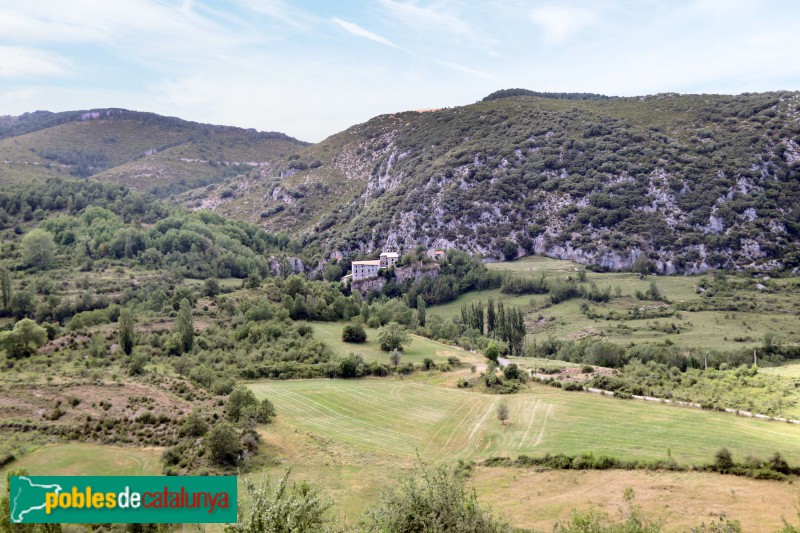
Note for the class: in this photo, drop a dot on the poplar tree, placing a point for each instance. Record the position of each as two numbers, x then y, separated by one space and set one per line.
5 287
127 331
421 310
491 318
184 325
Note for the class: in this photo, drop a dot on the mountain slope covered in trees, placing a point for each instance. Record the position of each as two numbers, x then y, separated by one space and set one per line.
144 151
692 182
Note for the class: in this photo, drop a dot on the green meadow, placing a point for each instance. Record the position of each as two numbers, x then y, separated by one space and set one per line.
735 320
420 348
408 417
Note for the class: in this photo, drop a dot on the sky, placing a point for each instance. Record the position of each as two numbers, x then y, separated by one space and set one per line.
311 68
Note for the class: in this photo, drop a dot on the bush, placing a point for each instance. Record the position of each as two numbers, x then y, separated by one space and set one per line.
393 336
352 366
243 407
492 352
223 444
282 508
194 425
23 341
511 371
431 500
354 333
723 461
136 364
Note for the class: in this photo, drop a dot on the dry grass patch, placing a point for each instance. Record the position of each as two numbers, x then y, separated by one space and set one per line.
683 500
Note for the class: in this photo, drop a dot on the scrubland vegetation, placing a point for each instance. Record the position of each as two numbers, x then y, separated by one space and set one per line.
162 340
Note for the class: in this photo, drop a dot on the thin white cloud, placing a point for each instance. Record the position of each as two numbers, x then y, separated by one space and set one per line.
354 29
23 62
282 11
437 17
473 72
560 24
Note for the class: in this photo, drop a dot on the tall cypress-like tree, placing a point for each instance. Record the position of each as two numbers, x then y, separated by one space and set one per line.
127 331
500 323
420 310
491 318
5 287
184 325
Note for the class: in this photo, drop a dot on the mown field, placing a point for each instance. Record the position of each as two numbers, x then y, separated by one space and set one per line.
406 417
420 348
756 312
78 459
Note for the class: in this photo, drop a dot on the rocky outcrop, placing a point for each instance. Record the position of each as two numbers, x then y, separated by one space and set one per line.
413 271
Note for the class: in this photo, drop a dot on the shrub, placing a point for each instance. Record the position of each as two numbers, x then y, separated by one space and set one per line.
352 366
492 351
238 399
223 444
282 508
431 500
511 371
354 333
136 364
723 461
393 336
194 425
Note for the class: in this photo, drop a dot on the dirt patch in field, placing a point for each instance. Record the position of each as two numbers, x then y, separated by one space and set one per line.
577 374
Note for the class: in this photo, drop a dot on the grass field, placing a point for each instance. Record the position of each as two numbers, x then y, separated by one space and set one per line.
789 370
682 499
405 417
75 459
772 311
420 348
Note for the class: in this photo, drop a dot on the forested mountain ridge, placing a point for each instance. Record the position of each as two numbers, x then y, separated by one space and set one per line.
144 151
691 181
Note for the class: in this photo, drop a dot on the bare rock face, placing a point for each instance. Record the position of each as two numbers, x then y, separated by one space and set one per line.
414 271
286 265
368 285
693 182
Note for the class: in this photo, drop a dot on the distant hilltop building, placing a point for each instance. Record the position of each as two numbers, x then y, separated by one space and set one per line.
369 269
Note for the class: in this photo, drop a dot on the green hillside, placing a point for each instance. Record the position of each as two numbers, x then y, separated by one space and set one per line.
691 181
144 151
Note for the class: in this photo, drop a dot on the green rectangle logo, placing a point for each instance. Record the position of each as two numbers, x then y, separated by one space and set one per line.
122 499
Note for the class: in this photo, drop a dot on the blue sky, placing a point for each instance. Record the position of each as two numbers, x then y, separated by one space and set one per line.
312 68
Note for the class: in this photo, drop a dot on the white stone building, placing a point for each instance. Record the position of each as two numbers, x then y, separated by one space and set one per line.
369 269
365 269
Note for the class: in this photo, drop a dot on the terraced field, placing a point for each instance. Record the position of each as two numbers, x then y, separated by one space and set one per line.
406 417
